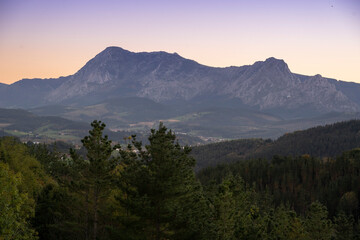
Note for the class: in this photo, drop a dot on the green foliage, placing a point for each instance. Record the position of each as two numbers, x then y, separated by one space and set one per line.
300 181
16 155
85 185
343 226
323 141
16 208
94 175
241 213
349 202
151 192
226 152
23 179
158 185
283 223
57 214
317 224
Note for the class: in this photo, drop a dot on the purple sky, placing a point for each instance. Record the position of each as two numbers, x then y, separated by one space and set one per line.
52 38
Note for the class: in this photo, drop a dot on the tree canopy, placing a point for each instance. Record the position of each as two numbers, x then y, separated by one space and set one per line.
150 191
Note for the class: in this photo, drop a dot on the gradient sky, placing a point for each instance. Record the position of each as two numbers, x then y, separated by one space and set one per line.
52 38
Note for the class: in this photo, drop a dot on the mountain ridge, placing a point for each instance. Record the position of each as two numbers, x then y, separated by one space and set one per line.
162 77
319 141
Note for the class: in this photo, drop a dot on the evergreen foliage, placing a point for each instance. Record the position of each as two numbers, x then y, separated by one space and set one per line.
323 141
317 224
300 181
94 175
159 184
151 192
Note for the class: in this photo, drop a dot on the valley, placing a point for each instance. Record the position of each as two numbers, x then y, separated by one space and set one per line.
179 120
133 92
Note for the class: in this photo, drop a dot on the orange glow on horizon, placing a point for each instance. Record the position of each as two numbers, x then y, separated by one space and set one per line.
48 39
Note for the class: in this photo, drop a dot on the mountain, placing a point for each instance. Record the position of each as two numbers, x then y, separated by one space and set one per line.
134 91
27 92
164 77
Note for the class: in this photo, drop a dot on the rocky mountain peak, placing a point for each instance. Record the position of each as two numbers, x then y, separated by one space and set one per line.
163 77
280 64
114 50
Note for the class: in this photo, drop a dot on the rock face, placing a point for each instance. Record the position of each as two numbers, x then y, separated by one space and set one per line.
164 77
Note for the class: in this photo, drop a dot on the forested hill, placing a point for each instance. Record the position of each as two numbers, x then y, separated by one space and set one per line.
126 193
323 141
298 181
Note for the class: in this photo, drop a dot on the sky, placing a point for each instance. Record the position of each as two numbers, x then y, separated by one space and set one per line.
52 38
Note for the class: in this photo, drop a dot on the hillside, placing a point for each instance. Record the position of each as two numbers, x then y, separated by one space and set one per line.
251 199
298 181
135 91
322 141
30 127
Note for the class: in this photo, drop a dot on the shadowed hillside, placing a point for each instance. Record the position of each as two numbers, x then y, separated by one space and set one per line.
323 141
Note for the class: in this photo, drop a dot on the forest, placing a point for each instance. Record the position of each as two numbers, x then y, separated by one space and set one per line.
151 191
321 141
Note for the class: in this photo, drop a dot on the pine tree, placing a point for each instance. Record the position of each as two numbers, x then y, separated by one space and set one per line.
157 182
343 225
317 224
94 176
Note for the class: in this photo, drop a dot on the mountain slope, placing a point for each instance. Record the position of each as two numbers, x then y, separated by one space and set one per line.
114 111
159 76
164 77
27 92
322 141
31 127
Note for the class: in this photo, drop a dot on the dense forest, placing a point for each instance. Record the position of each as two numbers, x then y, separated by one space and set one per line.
109 191
322 141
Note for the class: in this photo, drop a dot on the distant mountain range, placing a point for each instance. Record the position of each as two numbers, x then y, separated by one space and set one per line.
164 77
138 89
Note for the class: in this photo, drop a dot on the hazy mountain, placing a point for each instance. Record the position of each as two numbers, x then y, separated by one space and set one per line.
164 77
134 91
28 92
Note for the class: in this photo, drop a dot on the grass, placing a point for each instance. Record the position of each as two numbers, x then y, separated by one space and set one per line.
90 112
4 125
45 133
17 133
191 116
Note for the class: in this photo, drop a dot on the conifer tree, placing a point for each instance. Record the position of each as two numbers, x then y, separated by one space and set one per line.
343 225
317 224
157 182
94 173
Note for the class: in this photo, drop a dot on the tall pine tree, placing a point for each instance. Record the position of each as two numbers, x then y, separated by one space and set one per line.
157 183
94 174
